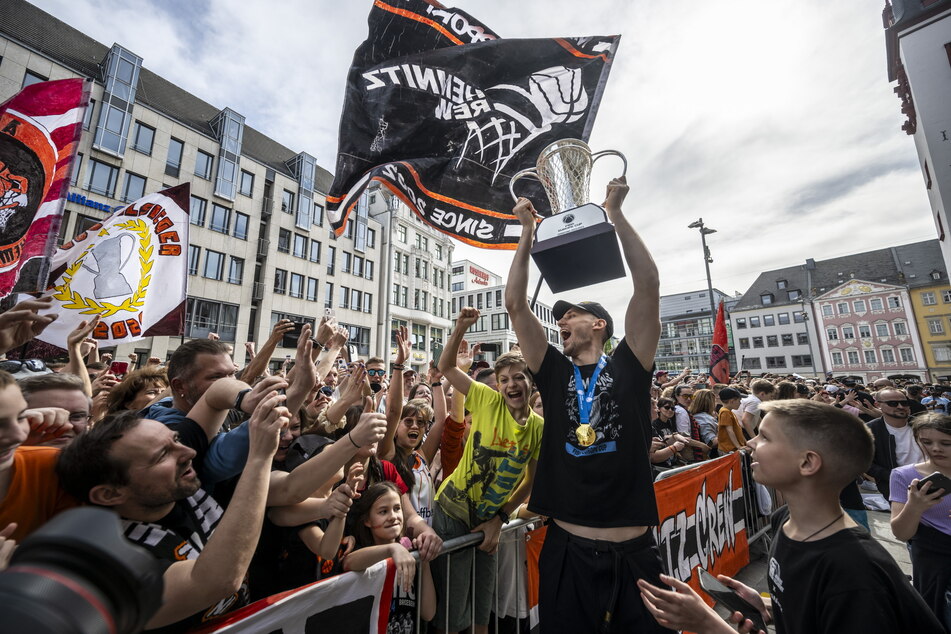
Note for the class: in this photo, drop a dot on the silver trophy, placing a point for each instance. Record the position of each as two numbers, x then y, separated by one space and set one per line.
576 246
108 260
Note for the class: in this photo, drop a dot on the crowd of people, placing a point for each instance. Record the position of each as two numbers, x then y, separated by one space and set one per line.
246 482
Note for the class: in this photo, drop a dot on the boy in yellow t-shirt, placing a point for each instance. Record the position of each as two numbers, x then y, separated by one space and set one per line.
729 432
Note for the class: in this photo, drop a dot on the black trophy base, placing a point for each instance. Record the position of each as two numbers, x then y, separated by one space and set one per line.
587 256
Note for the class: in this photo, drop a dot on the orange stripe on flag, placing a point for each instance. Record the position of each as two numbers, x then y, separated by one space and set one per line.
415 16
571 49
453 201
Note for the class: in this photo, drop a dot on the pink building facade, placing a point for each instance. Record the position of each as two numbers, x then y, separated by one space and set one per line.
867 330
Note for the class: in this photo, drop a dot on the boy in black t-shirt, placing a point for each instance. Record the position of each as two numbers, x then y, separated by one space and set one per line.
594 478
826 573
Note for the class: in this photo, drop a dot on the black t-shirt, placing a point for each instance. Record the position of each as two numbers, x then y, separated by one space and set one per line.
841 584
610 483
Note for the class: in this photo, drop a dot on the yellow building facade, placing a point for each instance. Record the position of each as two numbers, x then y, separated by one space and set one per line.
932 308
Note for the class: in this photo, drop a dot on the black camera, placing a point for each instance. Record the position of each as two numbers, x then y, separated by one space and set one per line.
78 574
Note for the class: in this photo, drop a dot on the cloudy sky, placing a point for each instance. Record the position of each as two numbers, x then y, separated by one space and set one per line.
773 121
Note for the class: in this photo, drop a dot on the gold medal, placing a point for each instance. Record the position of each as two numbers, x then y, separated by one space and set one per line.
585 435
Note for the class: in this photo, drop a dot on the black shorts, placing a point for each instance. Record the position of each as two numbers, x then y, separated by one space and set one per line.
588 585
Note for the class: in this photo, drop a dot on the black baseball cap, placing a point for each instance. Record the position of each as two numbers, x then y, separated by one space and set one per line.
561 307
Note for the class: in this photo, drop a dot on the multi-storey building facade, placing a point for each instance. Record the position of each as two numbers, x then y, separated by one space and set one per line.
474 285
918 54
869 331
686 331
415 282
772 331
853 314
259 245
932 309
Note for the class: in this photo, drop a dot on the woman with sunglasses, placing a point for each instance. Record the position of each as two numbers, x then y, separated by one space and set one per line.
667 442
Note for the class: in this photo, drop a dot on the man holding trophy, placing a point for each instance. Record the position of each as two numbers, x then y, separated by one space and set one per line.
594 479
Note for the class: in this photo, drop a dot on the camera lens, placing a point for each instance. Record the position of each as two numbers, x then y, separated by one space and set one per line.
79 574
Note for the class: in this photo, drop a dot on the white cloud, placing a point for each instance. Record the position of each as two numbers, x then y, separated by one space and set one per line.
773 121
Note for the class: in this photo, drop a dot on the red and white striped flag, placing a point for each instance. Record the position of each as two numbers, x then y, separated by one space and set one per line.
40 128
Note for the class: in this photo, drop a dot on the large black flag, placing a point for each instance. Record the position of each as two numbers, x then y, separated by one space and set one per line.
443 113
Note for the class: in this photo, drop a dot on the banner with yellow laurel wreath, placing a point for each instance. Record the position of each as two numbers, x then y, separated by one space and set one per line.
131 269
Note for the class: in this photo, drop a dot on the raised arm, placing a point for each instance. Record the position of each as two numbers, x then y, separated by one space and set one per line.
642 321
434 437
212 408
528 330
302 378
258 363
447 361
394 404
74 342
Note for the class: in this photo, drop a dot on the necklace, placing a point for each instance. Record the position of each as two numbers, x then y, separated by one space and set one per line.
837 518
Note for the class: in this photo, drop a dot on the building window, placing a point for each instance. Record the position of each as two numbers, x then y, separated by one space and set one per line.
101 178
853 357
935 327
757 342
907 355
928 298
331 258
881 330
134 187
236 270
344 297
766 299
842 308
194 256
283 241
368 269
802 339
787 339
300 246
869 356
401 233
775 362
220 218
142 138
894 302
287 202
241 225
832 334
297 285
371 238
312 289
203 165
827 310
314 251
772 341
900 328
769 320
318 216
783 319
247 183
888 355
794 295
848 332
740 322
801 360
328 294
214 264
876 304
754 322
753 363
358 266
858 306
87 117
836 358
196 211
419 337
865 332
942 352
30 78
356 299
280 281
77 166
205 316
744 343
799 317
345 265
173 162
781 284
946 297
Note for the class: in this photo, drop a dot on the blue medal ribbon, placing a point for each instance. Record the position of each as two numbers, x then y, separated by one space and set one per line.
586 396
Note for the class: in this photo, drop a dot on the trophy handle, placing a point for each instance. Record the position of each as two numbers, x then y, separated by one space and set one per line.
523 174
597 155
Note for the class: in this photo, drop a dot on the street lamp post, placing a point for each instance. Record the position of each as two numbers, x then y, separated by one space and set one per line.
707 259
812 357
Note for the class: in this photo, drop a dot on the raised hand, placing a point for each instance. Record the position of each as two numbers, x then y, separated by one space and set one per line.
326 329
524 210
21 323
616 193
355 385
403 345
467 316
370 428
265 426
433 375
261 392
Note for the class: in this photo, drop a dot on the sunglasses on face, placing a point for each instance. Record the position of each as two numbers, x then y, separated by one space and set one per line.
896 403
687 396
14 365
667 407
376 372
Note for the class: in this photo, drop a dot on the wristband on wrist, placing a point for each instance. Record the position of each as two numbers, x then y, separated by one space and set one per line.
239 399
399 366
352 440
503 515
437 384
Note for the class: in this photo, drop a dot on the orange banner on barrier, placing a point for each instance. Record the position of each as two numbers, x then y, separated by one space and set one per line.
702 520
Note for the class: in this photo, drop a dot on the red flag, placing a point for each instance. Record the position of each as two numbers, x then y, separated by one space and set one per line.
39 134
720 351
